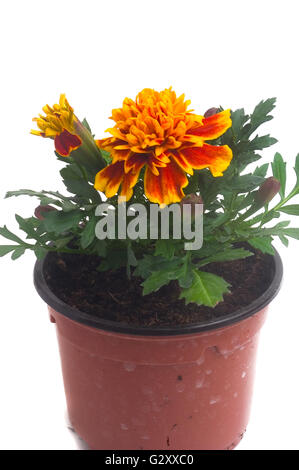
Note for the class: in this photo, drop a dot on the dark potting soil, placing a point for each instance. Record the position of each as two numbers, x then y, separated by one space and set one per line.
111 295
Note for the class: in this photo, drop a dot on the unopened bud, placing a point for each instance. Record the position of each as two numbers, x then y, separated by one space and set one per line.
40 210
210 112
192 199
267 191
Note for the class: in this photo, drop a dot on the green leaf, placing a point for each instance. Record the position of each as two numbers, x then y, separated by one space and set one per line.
100 248
117 257
76 184
58 221
264 244
245 183
193 184
19 251
296 168
4 249
27 225
38 194
165 248
131 259
239 118
261 170
62 242
261 114
292 232
40 251
206 289
106 156
155 281
279 172
261 142
10 236
291 209
88 233
284 240
227 255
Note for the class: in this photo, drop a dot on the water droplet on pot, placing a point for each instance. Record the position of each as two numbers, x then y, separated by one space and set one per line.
129 366
180 387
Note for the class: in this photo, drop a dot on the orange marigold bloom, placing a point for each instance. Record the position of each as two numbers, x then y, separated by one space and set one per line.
60 124
158 132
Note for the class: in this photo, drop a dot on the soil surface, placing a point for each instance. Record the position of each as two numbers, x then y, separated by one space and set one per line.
111 295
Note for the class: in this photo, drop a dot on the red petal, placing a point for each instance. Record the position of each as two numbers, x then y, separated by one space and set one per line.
109 179
65 143
216 158
165 188
213 126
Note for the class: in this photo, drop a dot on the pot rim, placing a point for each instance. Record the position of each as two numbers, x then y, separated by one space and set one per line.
99 323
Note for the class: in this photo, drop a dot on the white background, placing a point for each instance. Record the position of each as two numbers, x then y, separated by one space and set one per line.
231 53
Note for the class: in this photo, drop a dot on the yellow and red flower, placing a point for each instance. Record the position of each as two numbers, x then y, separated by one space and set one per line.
156 131
60 124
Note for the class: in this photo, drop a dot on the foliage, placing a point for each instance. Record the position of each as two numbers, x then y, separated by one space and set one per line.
233 214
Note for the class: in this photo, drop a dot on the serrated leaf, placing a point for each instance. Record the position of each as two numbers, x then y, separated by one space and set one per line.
88 233
155 281
227 255
296 168
292 232
10 236
206 289
261 142
62 242
291 209
38 194
261 170
19 251
261 114
264 244
245 183
76 184
58 221
5 249
164 248
27 225
239 118
279 172
40 252
284 240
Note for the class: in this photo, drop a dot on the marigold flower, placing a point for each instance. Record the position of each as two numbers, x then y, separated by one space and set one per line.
60 124
156 131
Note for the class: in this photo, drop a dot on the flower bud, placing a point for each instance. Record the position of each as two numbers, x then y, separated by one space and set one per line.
267 191
192 199
40 210
70 136
211 112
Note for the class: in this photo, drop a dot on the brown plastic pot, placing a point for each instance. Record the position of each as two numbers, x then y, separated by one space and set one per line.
173 388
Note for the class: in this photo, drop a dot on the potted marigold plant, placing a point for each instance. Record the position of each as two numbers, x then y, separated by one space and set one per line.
158 305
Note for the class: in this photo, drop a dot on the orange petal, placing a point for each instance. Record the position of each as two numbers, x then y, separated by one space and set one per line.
109 179
166 188
216 158
65 143
182 162
135 162
213 126
129 181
